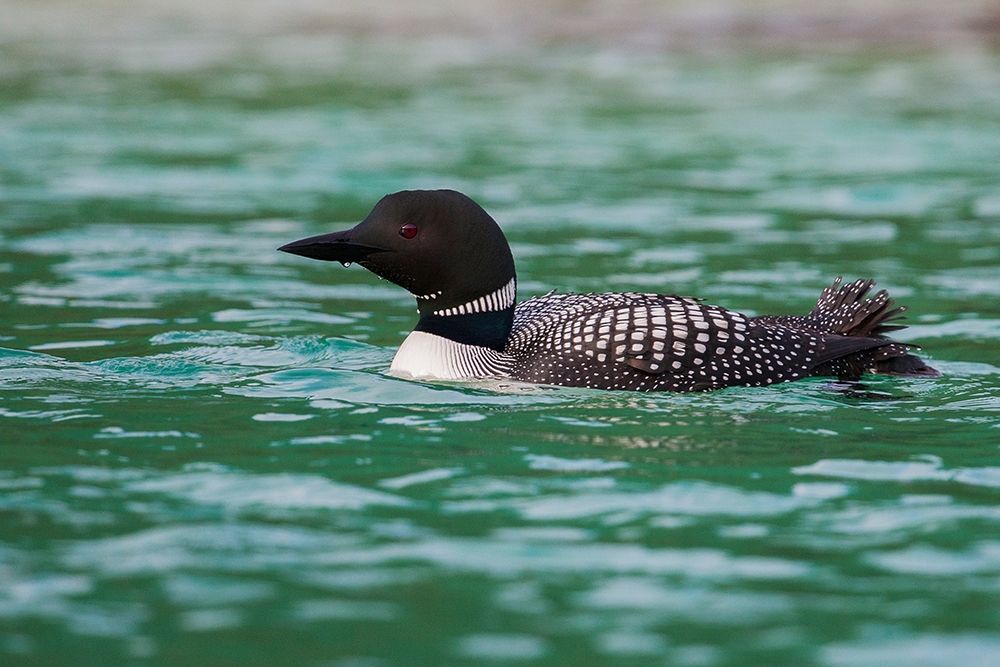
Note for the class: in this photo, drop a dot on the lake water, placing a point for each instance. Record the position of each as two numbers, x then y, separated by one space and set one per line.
203 459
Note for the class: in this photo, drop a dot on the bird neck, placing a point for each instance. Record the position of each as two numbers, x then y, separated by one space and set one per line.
485 320
491 329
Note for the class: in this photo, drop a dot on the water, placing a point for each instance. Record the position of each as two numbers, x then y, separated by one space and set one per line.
204 460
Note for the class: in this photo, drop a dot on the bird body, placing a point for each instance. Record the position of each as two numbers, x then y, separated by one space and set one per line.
451 255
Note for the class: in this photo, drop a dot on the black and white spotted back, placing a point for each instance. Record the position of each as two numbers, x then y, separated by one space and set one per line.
652 342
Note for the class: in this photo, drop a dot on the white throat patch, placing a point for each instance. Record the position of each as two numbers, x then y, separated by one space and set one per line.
425 355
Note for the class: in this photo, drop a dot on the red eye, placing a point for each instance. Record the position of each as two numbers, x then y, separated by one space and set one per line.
408 231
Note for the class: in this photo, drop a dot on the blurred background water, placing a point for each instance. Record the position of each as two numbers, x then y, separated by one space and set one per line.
204 461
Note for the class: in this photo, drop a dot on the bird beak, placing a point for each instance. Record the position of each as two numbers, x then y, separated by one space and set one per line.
335 247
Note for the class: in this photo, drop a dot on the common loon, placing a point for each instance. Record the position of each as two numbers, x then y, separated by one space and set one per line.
451 255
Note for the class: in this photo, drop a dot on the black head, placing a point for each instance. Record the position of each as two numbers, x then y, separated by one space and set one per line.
439 245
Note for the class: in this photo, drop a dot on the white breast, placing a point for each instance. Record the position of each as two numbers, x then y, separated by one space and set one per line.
424 355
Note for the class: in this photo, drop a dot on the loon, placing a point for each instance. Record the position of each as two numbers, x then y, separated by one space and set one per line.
448 252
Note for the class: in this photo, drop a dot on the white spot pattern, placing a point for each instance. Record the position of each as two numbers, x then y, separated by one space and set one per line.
651 344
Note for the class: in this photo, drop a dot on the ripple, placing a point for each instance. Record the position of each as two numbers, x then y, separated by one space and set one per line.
328 609
983 557
163 370
210 620
684 498
208 591
630 642
971 328
502 647
92 474
47 415
877 524
901 471
119 432
318 384
71 345
510 559
232 547
207 337
241 492
422 477
217 364
895 200
270 317
117 322
280 417
924 650
20 367
557 464
687 604
46 595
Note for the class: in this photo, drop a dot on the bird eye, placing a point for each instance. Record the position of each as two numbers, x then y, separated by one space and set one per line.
408 231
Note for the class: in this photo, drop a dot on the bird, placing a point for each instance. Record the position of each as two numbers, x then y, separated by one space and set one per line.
453 258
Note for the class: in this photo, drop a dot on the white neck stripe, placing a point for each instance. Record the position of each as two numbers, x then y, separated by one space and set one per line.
500 299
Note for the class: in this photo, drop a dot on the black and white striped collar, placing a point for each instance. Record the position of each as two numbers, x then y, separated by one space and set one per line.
485 321
497 300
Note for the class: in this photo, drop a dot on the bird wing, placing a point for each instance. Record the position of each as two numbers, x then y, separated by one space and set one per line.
672 342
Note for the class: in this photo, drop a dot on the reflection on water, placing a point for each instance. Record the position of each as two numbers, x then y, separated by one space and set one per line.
204 458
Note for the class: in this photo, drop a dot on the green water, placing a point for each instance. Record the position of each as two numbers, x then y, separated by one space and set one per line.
204 461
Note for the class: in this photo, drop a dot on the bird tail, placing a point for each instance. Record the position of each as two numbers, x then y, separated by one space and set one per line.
847 311
849 318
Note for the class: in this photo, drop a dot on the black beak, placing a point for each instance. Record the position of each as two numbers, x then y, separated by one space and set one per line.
335 247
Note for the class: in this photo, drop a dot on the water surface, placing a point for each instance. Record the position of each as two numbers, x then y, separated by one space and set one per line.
204 460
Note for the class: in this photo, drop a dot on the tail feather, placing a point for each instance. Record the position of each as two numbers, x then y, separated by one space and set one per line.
854 328
848 311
